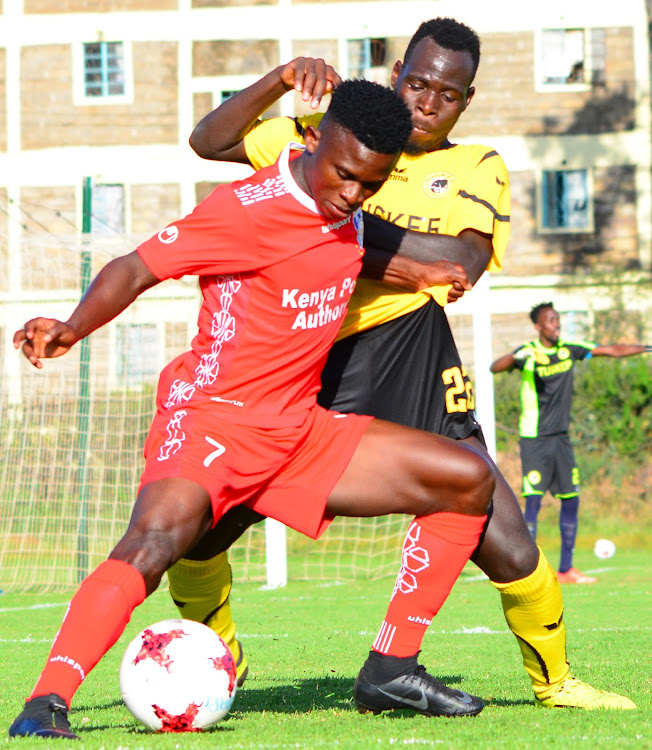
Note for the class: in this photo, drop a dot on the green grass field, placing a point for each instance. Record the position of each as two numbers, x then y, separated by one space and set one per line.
306 643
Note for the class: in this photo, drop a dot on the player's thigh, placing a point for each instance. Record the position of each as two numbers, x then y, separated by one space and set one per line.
397 469
506 551
169 517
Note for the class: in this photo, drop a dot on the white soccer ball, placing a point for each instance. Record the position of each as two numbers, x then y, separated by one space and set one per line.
604 549
178 676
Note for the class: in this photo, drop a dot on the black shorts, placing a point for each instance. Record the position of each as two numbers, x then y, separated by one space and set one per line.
406 371
548 464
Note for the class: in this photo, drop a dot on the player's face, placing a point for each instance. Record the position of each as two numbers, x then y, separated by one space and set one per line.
341 172
548 326
435 83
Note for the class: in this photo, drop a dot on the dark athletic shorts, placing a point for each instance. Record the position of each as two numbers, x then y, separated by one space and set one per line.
407 371
548 464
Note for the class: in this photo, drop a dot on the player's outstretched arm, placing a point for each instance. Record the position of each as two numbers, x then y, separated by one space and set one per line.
508 361
219 135
620 350
115 287
404 258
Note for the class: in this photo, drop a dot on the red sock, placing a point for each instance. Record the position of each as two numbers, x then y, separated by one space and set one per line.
96 618
435 550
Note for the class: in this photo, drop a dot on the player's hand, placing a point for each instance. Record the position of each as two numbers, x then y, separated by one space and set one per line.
444 272
525 352
44 338
455 292
311 77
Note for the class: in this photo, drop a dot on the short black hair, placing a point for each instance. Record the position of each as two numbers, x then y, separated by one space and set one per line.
450 34
538 309
374 114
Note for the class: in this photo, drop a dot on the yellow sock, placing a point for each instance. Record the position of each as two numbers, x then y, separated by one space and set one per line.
534 610
200 589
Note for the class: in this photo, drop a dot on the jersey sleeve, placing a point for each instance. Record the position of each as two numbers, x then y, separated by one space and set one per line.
218 237
483 203
265 141
581 350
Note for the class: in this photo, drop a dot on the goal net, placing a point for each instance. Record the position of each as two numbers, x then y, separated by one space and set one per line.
72 434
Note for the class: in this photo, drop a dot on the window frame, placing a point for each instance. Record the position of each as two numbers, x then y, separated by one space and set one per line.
80 97
542 86
367 70
541 200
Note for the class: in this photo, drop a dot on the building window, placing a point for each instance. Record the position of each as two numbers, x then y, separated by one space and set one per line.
227 94
366 57
137 354
572 57
108 209
104 69
565 201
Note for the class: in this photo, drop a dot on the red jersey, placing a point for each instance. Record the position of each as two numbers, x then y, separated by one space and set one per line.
275 278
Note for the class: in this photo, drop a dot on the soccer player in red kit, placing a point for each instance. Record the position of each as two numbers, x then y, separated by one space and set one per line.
237 420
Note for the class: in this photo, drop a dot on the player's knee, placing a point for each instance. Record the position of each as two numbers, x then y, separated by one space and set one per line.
470 487
480 481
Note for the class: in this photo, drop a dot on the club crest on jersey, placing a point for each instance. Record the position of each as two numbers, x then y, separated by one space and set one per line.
437 184
563 353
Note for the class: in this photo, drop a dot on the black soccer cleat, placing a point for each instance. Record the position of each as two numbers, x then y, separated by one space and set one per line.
43 716
415 690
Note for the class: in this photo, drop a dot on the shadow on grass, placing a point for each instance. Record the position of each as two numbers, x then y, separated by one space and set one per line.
302 696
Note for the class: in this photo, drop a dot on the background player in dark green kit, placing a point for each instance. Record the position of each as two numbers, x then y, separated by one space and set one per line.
547 456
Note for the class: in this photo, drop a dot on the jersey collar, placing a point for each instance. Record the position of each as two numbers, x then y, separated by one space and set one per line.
290 182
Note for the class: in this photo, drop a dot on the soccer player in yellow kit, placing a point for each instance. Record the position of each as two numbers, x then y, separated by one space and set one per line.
396 357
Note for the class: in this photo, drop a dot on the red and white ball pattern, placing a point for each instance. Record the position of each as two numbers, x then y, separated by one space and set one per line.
178 676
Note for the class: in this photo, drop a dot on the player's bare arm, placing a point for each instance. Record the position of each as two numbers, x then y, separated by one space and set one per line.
503 364
115 287
620 350
219 135
405 258
437 273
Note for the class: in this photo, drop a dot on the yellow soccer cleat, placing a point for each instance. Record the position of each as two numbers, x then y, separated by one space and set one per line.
241 664
573 693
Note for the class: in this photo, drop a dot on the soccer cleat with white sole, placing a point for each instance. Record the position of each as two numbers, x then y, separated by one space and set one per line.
573 693
44 716
415 690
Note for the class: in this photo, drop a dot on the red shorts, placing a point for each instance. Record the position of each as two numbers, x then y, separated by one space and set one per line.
284 472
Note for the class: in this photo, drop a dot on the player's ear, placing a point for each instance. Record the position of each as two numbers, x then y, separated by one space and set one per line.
396 71
469 95
311 137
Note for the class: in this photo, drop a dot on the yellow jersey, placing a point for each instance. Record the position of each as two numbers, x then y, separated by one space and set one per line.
441 192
